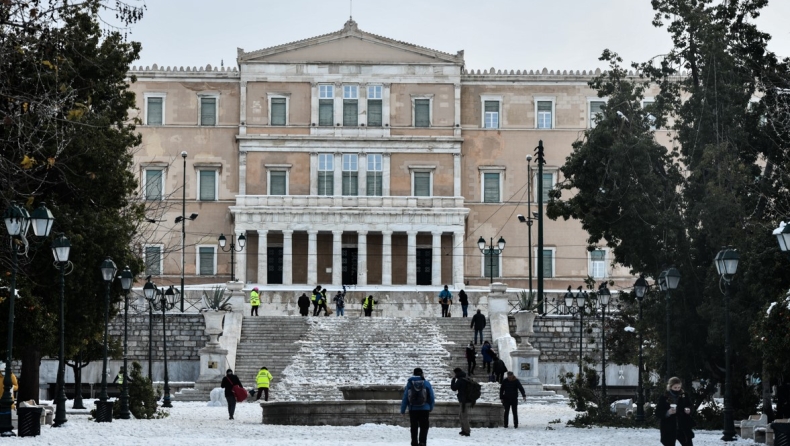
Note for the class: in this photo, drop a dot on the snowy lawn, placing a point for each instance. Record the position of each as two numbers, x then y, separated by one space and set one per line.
194 424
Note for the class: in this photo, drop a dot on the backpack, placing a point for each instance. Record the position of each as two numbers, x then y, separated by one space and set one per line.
418 394
472 390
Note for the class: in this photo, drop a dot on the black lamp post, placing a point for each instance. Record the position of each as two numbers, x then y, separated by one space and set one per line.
576 305
104 407
17 221
162 300
603 300
727 264
668 280
531 217
232 249
491 251
60 250
640 288
127 278
149 290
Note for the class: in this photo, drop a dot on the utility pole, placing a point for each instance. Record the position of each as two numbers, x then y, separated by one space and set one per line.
540 160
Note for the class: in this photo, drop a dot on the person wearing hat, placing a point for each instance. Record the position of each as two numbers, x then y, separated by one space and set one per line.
367 305
255 301
419 398
262 380
228 382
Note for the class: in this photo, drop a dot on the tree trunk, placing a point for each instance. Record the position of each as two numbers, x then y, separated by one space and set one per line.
28 376
768 408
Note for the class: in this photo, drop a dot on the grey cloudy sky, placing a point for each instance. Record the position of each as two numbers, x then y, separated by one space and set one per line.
505 34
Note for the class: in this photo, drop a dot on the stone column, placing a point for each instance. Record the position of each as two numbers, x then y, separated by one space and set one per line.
242 173
385 174
362 257
243 108
457 174
313 106
458 259
263 256
362 170
241 261
411 258
338 175
337 258
313 173
457 104
436 258
312 257
288 257
386 257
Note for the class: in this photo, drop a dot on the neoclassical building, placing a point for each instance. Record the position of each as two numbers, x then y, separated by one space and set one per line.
351 158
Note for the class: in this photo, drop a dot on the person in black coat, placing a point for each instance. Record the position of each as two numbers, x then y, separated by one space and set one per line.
304 304
674 411
508 394
228 382
471 363
459 385
464 301
478 323
499 368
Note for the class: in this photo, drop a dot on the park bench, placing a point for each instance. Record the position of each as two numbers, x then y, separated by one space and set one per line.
750 424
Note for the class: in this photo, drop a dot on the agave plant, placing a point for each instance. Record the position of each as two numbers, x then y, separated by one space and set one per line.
527 301
216 301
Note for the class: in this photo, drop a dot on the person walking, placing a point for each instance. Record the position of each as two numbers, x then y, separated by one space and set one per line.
464 301
340 302
262 380
508 394
674 411
304 304
321 298
471 363
228 382
314 299
499 368
418 397
459 385
367 305
478 324
255 301
485 351
445 299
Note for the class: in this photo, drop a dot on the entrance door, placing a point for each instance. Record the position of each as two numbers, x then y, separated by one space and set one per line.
274 260
349 266
424 266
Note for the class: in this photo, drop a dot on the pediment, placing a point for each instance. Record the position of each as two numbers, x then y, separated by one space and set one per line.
349 45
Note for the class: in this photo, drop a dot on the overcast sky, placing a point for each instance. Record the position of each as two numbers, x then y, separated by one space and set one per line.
505 34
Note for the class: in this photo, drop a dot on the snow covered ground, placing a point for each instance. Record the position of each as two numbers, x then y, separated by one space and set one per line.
195 424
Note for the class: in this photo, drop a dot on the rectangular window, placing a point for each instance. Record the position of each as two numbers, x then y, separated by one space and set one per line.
422 112
152 256
154 184
155 111
326 174
548 263
651 119
206 261
548 184
326 105
598 264
350 175
374 176
491 117
277 182
544 114
491 259
279 111
208 185
596 112
208 110
491 188
374 106
422 184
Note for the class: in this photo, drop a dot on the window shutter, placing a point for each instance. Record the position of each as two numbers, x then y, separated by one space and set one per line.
374 113
350 115
422 184
153 184
491 188
326 112
374 185
206 261
208 111
153 257
278 183
547 267
350 183
548 184
492 263
208 180
278 111
154 111
326 183
422 113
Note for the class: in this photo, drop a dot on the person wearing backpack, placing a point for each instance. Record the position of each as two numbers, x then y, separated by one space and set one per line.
418 397
445 299
508 394
460 384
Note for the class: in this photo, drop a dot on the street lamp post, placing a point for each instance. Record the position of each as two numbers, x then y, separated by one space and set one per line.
104 407
640 288
603 300
17 221
164 300
127 278
183 220
726 265
668 280
481 244
531 217
573 306
60 250
232 249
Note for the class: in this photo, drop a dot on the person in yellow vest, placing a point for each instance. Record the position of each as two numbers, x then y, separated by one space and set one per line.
314 299
367 305
14 383
119 377
255 301
262 380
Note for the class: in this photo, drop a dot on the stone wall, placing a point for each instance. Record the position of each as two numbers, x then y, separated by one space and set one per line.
557 337
185 336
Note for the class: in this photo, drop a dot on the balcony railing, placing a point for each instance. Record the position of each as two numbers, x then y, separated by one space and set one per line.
302 201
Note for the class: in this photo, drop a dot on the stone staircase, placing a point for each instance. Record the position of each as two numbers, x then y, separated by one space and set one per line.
271 342
458 335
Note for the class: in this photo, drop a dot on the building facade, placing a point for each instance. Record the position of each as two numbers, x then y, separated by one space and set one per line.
351 158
